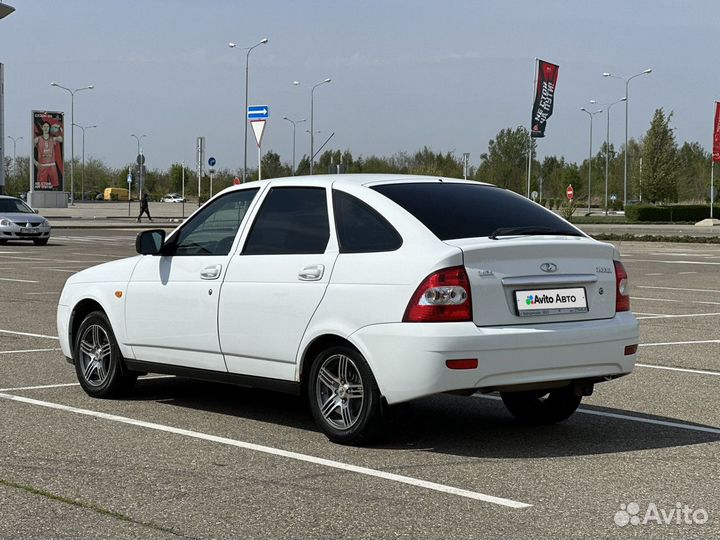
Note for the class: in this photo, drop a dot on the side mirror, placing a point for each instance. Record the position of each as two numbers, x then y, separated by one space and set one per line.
35 210
150 242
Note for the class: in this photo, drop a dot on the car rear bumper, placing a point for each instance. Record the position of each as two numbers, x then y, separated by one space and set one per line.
409 359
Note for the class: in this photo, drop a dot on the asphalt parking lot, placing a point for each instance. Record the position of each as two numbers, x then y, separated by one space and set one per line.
191 459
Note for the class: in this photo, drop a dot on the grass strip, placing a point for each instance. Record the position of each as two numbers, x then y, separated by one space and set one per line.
612 237
87 506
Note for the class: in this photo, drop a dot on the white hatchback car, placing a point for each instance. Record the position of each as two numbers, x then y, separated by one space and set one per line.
361 291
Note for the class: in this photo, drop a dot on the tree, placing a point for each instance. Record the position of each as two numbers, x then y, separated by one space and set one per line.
505 162
557 174
694 172
272 167
661 165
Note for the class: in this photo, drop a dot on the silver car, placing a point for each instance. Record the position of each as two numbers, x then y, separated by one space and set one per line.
20 222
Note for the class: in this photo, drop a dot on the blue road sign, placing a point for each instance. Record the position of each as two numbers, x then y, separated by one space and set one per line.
258 112
212 162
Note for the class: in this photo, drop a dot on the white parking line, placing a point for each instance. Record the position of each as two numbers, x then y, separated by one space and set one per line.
65 385
29 350
684 370
675 301
679 342
640 419
95 254
276 452
679 316
674 288
40 387
684 273
24 259
678 425
27 334
18 280
655 274
675 262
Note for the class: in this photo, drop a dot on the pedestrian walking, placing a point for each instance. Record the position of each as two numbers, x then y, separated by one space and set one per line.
144 207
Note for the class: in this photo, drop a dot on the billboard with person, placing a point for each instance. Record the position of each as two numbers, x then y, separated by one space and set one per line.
48 134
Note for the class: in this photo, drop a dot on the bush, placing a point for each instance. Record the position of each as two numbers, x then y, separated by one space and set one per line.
567 209
679 212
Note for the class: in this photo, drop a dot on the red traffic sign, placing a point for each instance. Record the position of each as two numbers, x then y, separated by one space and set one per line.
236 181
570 192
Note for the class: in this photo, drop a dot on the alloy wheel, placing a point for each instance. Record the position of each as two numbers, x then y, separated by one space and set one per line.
95 351
339 392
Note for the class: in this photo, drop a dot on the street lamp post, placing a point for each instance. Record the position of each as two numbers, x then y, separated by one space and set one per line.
312 132
607 147
82 181
312 120
247 71
627 101
72 133
140 165
590 114
294 125
14 140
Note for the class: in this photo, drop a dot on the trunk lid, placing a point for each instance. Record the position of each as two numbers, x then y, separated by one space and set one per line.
538 279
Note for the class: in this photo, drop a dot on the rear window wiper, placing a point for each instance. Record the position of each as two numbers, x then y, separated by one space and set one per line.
528 231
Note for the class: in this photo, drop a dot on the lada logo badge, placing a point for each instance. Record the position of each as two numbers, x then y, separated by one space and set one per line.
548 267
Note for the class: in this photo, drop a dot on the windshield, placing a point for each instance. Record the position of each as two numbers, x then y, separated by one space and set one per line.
453 210
8 206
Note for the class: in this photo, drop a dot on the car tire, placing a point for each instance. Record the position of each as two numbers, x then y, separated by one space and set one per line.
41 241
3 242
344 397
542 406
99 365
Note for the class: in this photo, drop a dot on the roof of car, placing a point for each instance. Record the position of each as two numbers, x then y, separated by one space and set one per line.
362 179
7 197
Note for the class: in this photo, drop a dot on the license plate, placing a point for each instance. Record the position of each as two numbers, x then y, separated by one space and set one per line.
26 230
533 302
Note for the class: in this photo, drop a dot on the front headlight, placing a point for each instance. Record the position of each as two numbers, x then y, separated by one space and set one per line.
45 223
5 223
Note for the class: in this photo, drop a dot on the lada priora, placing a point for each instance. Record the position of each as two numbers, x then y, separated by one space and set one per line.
361 292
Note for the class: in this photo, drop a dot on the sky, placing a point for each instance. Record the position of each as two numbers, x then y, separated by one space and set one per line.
405 73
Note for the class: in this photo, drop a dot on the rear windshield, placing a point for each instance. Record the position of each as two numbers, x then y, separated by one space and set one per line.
453 210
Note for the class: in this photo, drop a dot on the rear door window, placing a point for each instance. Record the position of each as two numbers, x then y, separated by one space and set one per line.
453 210
291 220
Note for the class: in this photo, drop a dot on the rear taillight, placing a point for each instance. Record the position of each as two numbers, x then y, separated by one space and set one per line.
444 296
622 292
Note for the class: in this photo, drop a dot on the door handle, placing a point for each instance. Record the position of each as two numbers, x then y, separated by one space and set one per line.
211 272
312 273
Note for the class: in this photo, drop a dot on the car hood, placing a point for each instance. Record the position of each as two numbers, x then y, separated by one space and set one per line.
110 272
22 217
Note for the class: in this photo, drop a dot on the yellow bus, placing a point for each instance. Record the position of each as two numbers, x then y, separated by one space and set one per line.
115 194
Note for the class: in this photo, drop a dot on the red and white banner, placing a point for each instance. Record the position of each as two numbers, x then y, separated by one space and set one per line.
544 97
716 133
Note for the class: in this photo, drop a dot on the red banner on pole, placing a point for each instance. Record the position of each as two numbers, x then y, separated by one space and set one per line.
544 97
716 133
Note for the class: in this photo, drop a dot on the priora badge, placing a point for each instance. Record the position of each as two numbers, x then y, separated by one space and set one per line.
548 267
